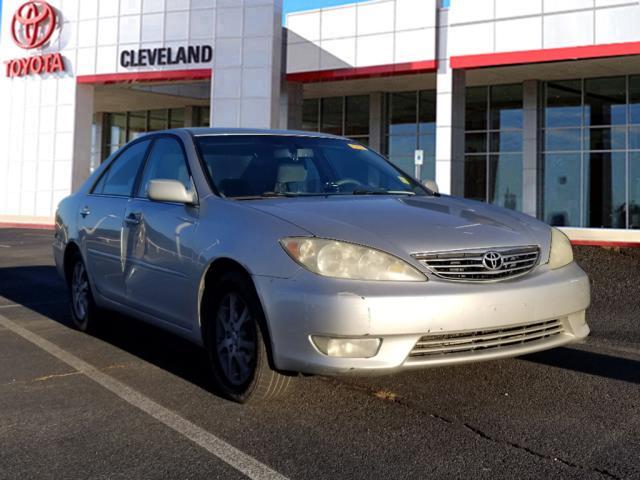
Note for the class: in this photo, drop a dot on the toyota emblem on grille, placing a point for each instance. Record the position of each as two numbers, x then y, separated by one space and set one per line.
492 261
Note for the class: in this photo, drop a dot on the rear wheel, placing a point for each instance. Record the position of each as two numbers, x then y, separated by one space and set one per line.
84 311
235 338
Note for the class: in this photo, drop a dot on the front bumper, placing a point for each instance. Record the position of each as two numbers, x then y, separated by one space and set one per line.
402 313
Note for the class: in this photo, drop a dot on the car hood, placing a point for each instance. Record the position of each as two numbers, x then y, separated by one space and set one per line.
406 225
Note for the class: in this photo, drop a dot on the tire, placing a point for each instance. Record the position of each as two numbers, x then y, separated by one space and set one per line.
235 337
85 314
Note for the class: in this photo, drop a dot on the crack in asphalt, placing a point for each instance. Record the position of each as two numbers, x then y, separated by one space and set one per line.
391 397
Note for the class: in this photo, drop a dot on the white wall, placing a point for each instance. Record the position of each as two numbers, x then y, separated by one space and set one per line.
380 32
40 135
493 26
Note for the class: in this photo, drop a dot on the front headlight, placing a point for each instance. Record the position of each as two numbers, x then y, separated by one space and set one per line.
331 258
561 250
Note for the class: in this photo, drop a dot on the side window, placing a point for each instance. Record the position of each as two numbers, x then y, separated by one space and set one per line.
121 176
166 162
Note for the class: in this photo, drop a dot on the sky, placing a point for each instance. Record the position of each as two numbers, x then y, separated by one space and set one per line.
297 5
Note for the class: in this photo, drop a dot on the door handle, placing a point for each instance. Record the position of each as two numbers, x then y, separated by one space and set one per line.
85 211
133 219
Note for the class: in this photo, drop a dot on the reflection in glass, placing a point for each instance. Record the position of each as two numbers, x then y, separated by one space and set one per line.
605 195
403 115
475 177
564 104
158 120
505 180
476 142
562 140
605 138
634 190
310 112
507 141
562 189
427 111
176 118
137 124
476 108
357 115
402 145
331 117
605 101
634 99
506 107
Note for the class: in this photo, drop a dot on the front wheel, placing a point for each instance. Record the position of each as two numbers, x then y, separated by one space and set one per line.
84 311
235 333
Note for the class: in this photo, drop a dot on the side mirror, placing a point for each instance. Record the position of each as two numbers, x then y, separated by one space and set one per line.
170 191
431 185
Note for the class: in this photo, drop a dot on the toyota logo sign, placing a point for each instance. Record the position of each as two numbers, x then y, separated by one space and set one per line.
33 24
492 261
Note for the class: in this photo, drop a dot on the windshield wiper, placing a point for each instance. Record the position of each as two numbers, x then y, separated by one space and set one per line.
382 192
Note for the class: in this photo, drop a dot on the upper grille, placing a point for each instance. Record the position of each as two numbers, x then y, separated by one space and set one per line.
477 342
488 265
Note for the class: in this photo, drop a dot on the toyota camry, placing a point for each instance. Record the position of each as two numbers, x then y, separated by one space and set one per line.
292 252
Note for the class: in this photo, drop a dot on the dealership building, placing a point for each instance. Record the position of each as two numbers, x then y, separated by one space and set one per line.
532 105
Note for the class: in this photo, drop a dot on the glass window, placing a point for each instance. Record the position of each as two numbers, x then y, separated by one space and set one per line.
634 100
357 116
310 112
158 120
605 194
506 107
563 104
137 125
634 190
605 101
166 162
562 139
610 138
331 118
508 141
176 118
427 112
121 175
403 113
410 126
505 180
562 189
475 177
476 108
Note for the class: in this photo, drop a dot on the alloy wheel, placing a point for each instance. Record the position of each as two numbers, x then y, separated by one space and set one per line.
235 339
80 291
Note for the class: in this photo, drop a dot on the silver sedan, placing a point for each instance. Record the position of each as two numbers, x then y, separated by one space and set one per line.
291 252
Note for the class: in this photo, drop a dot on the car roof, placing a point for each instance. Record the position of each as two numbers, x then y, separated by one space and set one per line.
201 132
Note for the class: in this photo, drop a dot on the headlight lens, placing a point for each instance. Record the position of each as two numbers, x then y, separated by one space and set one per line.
561 250
331 258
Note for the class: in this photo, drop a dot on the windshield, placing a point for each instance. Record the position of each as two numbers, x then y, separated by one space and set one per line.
250 166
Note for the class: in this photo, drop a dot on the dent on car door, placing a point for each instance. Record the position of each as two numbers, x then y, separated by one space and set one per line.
100 221
160 275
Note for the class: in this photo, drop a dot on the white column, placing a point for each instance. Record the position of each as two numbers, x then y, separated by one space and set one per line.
450 106
247 64
530 148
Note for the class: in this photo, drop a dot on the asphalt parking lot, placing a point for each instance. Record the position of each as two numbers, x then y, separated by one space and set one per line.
568 413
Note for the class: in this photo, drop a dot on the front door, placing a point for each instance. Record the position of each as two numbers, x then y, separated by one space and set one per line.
101 221
160 275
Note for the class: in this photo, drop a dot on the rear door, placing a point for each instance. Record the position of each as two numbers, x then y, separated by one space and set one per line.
101 220
161 277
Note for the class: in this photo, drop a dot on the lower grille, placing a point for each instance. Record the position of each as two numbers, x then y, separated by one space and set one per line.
482 340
